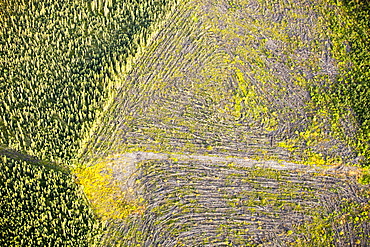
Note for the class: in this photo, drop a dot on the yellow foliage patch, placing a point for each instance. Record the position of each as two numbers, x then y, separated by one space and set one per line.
106 197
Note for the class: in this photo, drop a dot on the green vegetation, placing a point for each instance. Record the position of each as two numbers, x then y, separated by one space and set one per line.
42 207
59 63
350 97
89 83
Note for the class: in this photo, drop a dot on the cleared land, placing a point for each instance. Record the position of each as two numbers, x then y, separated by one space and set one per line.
232 80
204 131
203 202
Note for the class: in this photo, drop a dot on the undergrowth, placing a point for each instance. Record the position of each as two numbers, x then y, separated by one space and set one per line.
350 34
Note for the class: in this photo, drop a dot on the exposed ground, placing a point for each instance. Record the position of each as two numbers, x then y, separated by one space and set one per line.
215 134
228 79
126 171
205 201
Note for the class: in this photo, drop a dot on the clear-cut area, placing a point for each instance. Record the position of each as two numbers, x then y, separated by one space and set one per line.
184 123
217 135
